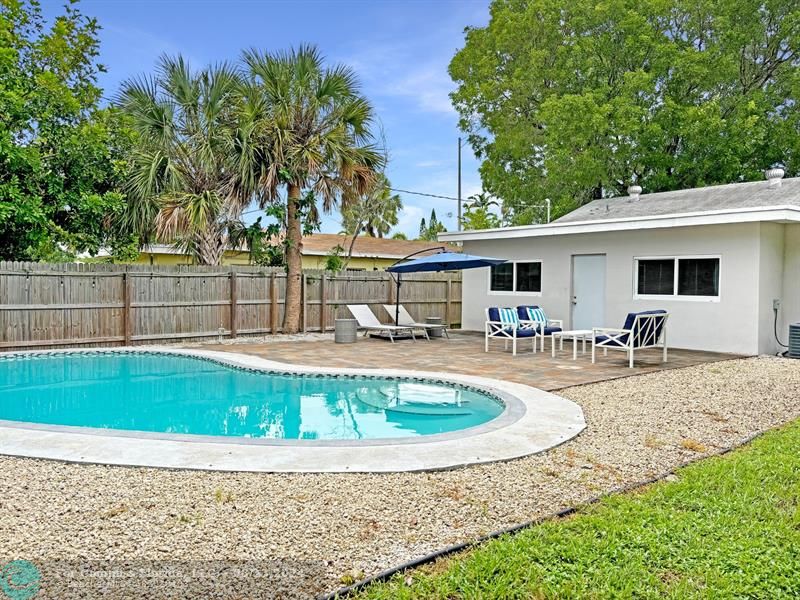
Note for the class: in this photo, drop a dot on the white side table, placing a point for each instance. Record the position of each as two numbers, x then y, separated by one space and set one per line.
575 334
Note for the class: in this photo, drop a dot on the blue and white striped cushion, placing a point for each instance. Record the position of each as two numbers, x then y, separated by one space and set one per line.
537 314
508 316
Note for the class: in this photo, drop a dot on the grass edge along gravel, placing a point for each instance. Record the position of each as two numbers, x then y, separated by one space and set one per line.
728 527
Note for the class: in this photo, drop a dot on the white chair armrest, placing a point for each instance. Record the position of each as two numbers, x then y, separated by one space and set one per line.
497 327
555 322
596 330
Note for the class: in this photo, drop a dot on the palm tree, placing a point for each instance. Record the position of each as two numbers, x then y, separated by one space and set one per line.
374 213
182 187
380 208
310 136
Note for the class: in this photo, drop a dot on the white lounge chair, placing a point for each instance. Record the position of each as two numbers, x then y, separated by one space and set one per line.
369 322
405 319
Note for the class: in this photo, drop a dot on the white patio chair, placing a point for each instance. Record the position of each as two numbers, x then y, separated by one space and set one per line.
544 327
642 330
504 324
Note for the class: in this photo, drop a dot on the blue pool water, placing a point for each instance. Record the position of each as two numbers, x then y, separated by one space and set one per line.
179 394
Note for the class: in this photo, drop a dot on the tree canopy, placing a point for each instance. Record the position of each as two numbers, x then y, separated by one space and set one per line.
184 185
61 156
373 213
575 101
308 133
429 230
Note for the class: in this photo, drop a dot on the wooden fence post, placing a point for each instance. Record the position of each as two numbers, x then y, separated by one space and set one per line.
449 298
323 303
303 295
273 304
126 308
234 302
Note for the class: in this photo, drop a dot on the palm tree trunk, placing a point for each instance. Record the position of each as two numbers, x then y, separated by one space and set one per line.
210 248
294 265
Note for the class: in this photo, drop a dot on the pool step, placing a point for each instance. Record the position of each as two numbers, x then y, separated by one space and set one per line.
382 400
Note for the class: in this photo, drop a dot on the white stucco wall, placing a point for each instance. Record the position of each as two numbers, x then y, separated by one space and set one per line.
735 323
770 284
790 302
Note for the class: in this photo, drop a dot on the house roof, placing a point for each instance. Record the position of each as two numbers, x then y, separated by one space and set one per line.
714 205
755 194
320 244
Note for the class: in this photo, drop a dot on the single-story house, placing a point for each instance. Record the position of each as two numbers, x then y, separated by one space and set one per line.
720 259
369 253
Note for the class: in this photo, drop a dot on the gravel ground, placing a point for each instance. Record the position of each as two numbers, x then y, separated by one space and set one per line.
162 534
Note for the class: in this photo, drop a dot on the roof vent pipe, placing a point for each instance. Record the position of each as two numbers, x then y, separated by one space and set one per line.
634 191
774 177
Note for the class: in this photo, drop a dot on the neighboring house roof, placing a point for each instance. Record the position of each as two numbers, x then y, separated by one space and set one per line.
722 204
320 244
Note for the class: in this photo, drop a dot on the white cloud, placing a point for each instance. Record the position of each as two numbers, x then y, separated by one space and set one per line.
428 85
405 71
409 218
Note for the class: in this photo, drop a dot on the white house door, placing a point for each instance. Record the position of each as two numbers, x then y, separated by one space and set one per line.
588 291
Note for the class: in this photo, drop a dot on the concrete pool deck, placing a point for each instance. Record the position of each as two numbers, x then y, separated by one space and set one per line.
463 353
533 421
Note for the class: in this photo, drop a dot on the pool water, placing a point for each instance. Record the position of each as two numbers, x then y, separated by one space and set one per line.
184 395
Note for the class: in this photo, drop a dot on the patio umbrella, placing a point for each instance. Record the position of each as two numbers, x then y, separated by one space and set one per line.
441 261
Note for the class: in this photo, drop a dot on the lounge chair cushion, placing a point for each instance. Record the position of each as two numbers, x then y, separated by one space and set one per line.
536 313
621 341
525 333
504 315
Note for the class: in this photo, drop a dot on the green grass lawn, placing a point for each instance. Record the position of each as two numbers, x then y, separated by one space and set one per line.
728 528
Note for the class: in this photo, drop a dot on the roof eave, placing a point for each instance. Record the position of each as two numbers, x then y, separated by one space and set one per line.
785 213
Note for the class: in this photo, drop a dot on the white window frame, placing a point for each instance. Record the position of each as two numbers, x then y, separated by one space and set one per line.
492 292
675 295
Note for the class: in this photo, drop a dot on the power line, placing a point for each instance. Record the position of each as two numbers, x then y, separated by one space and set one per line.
392 189
424 194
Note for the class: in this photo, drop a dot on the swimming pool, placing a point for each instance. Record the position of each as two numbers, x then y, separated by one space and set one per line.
179 394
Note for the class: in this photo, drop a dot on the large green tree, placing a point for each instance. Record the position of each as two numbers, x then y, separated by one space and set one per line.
60 154
183 186
574 101
309 138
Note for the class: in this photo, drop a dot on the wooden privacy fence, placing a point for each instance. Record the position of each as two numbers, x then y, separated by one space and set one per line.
56 305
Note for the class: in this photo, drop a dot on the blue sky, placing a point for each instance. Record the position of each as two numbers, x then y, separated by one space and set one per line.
399 48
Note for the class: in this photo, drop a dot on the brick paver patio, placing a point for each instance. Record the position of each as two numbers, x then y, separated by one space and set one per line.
463 353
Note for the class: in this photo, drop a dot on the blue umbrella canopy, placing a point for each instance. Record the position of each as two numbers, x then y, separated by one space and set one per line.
445 261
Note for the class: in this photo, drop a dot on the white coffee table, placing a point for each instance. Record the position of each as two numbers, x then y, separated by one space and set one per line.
575 334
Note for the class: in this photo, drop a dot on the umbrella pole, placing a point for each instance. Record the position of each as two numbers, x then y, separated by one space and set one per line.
397 302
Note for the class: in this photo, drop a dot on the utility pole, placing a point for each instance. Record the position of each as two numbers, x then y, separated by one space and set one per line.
459 184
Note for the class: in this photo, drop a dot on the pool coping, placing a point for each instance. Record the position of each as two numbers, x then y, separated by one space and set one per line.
532 421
